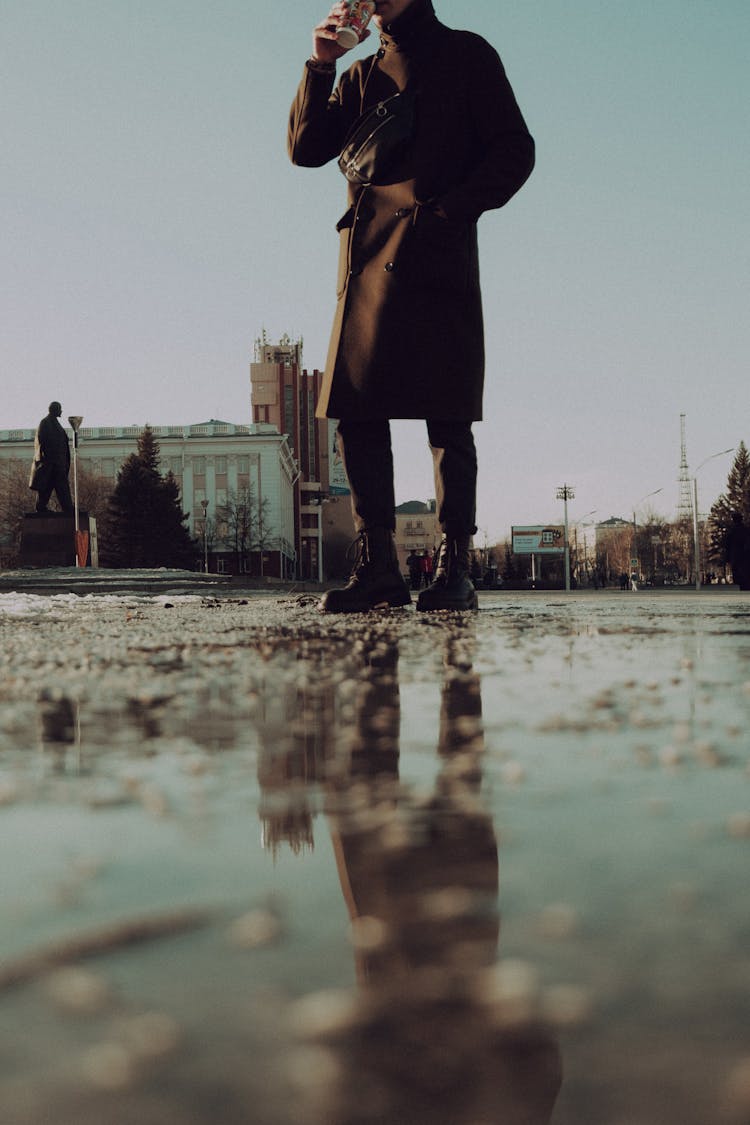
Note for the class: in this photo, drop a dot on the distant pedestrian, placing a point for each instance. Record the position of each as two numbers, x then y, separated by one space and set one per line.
414 564
427 568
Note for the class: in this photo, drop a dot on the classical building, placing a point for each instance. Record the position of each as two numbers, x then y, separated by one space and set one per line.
417 530
219 467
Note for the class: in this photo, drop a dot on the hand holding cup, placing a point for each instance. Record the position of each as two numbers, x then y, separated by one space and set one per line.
343 28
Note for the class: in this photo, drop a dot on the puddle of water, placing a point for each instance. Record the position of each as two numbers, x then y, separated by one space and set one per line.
456 870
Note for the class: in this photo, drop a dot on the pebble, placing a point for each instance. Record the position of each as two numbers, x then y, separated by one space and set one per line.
513 773
78 991
447 903
670 757
320 1014
368 934
567 1005
511 989
255 929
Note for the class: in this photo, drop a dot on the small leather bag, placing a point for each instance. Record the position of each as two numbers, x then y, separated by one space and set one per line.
377 139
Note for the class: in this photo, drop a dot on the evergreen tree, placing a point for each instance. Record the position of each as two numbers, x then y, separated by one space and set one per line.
735 502
146 521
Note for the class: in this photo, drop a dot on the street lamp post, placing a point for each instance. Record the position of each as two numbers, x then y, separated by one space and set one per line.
204 505
696 536
633 555
566 492
75 422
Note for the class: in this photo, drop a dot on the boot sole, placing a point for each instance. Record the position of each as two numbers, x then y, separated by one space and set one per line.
463 607
384 603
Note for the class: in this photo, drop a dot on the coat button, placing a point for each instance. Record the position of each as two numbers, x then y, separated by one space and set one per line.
389 267
355 271
403 212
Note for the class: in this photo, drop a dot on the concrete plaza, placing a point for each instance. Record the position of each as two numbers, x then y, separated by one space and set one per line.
260 865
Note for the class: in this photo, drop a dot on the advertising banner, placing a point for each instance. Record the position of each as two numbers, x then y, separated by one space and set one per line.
538 539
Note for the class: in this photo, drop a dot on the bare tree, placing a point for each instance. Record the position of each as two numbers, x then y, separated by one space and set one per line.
15 500
263 530
236 518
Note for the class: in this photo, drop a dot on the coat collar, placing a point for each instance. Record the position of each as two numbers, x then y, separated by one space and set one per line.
418 19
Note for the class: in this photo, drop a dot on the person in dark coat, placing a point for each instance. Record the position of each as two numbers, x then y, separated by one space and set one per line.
414 563
49 473
407 338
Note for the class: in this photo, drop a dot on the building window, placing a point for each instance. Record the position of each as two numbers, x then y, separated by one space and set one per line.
243 465
221 466
199 465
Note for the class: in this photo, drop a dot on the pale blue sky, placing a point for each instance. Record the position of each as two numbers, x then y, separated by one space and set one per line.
151 227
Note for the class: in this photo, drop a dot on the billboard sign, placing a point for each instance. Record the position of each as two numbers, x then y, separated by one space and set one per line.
539 539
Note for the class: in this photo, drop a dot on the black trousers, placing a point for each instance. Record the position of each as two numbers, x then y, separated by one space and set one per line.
365 449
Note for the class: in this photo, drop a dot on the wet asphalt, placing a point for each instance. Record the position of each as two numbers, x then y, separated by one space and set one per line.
269 866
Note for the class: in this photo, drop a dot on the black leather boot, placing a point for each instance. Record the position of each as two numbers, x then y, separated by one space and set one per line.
376 581
452 588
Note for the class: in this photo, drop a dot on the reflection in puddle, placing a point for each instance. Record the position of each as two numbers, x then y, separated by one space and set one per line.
607 751
438 1032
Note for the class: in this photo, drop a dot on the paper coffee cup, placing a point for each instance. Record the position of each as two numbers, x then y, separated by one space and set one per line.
347 36
357 18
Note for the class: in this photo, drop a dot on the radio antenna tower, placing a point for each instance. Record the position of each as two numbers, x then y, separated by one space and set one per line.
685 501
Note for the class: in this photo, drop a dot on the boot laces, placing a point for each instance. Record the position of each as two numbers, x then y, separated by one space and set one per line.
442 564
359 553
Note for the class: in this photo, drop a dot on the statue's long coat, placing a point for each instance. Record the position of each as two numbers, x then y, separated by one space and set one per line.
407 338
51 453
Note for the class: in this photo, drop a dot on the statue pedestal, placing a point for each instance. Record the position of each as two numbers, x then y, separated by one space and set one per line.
49 540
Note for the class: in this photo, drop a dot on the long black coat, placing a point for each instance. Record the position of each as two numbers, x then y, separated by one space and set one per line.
407 338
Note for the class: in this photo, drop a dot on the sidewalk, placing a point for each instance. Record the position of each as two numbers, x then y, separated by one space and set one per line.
263 865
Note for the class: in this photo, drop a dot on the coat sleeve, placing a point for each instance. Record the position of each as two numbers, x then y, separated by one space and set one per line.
504 146
42 443
320 117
